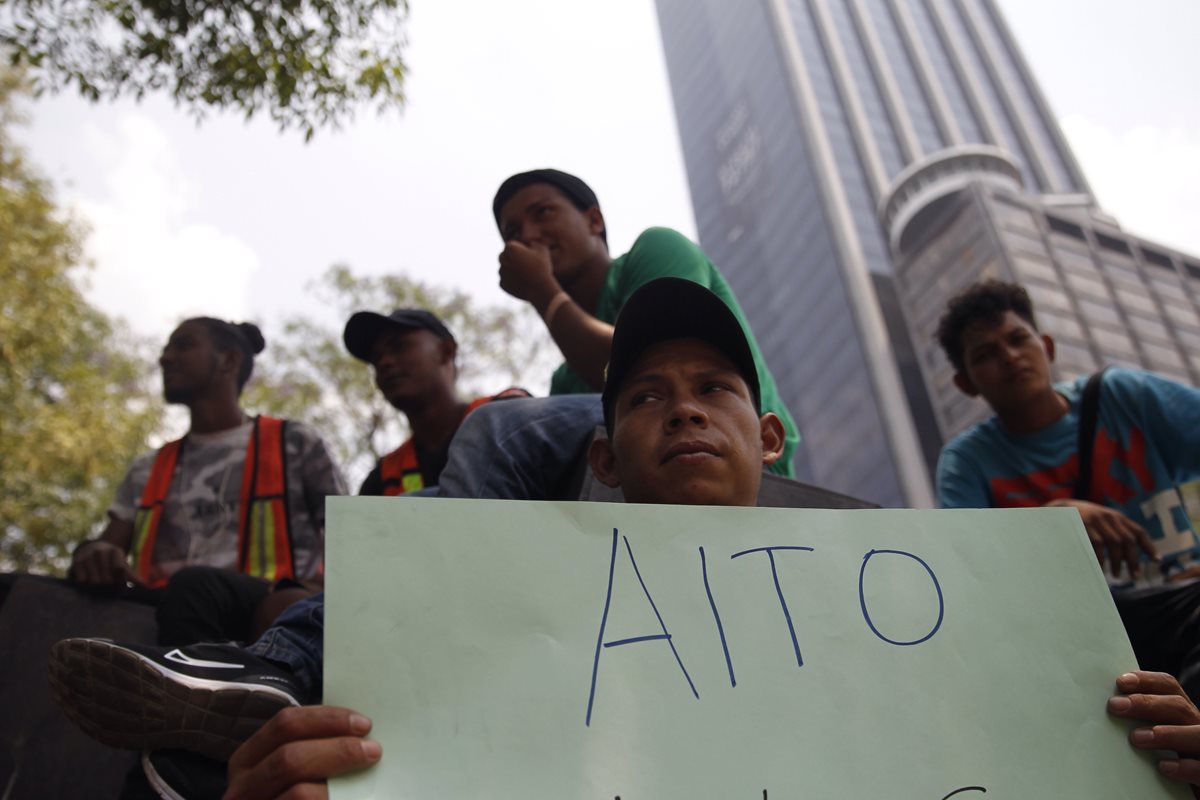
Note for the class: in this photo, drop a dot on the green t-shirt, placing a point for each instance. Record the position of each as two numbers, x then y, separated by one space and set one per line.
664 253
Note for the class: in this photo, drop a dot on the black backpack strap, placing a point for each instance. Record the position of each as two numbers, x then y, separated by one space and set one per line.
1089 411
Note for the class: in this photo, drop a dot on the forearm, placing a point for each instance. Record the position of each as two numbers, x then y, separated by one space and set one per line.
117 532
585 341
103 560
527 273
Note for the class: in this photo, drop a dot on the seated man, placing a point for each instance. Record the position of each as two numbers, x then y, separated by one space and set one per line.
556 259
1145 459
413 356
243 496
682 405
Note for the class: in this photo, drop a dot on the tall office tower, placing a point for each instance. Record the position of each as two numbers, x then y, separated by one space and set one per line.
852 163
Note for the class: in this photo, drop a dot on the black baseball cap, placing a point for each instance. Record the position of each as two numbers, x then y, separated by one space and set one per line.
674 308
574 188
365 327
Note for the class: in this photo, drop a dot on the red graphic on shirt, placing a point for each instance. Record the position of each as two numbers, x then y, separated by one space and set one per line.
1058 482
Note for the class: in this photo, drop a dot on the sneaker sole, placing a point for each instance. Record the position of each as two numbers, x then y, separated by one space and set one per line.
125 700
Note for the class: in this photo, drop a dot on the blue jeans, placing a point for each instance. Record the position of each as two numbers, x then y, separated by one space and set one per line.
513 449
296 642
522 449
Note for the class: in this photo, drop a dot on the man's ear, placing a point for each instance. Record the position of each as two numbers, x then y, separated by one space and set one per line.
603 462
595 218
773 437
228 361
449 351
964 385
1048 343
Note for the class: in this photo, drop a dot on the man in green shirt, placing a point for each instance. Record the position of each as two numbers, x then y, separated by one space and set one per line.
556 259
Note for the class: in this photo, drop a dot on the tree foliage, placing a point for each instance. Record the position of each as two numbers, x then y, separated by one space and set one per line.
73 386
307 63
80 395
306 374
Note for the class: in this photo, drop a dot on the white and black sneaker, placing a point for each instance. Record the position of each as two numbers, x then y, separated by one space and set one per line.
204 698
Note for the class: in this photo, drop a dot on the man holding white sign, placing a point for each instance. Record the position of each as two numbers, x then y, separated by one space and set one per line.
682 405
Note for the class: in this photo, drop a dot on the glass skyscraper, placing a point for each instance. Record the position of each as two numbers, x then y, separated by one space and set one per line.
852 163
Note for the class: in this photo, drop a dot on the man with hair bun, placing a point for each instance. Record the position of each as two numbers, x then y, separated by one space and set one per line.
227 511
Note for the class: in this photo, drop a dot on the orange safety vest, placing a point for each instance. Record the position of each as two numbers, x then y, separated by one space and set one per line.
399 471
264 535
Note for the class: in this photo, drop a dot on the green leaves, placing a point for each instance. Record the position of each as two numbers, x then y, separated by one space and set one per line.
76 388
306 63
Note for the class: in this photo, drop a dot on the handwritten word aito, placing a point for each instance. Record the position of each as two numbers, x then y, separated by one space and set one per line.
770 557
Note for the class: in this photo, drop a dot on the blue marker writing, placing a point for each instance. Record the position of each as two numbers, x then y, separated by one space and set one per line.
787 614
862 600
601 644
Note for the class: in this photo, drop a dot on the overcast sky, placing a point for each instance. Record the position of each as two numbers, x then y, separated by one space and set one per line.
234 220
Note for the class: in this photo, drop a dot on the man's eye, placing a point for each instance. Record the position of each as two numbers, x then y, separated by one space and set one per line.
640 398
711 387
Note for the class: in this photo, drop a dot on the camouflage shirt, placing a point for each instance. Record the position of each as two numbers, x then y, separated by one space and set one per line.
200 516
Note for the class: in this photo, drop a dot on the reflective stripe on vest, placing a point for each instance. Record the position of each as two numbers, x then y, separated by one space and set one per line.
264 535
399 471
150 508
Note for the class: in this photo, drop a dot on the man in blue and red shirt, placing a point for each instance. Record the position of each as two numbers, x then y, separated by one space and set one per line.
1142 504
